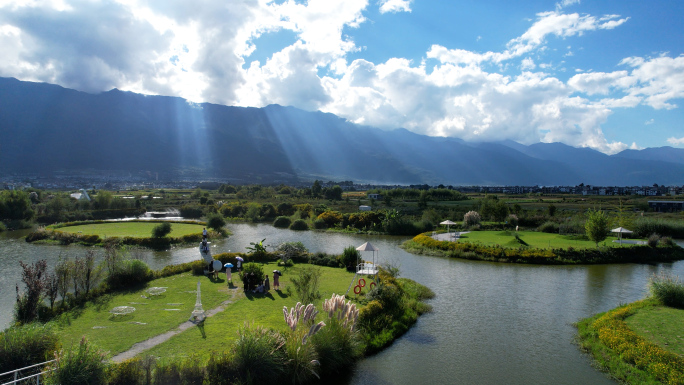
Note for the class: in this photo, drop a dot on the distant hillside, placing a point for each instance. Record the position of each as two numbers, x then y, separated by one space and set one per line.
45 128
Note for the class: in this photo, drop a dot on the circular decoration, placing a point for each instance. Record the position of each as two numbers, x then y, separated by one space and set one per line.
362 282
372 285
357 289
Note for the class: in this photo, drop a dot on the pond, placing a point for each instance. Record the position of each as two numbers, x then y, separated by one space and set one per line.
492 323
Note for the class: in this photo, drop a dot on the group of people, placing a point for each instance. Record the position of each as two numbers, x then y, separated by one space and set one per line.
249 280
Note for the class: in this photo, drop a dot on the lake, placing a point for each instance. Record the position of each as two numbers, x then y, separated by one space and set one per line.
491 323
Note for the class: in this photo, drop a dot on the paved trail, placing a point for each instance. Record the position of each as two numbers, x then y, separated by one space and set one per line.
156 340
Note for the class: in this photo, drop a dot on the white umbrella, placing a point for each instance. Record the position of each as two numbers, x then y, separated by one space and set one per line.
448 223
620 231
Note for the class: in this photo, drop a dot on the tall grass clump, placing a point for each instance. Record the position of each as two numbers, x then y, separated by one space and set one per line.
221 369
302 358
26 345
81 365
549 227
338 344
643 227
471 218
667 289
306 284
259 355
349 257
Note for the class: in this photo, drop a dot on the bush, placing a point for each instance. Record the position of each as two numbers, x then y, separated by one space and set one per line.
647 226
319 224
282 222
549 227
323 259
128 372
221 369
350 256
130 272
337 344
299 224
667 241
667 289
215 222
259 355
161 230
255 273
26 345
653 240
471 218
191 211
306 283
82 365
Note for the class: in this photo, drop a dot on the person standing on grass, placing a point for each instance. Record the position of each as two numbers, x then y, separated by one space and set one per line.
267 285
206 255
276 284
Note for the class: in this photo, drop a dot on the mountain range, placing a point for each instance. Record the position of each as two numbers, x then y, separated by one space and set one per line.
46 128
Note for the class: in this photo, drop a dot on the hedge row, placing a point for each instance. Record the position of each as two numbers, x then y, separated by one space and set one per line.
425 244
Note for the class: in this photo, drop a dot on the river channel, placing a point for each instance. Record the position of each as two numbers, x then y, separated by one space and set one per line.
492 323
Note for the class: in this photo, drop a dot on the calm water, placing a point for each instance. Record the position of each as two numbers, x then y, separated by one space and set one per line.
491 324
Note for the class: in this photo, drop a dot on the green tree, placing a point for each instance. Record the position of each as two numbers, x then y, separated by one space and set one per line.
215 221
316 189
161 230
552 209
15 205
596 226
103 199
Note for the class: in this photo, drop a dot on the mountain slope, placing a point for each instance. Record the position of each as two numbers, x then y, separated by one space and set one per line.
45 128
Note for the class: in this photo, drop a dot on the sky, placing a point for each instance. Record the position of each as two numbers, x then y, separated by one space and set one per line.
605 74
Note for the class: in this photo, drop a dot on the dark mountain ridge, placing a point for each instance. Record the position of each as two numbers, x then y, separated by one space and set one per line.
45 128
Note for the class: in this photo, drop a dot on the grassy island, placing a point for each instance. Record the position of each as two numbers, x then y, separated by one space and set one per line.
540 248
137 233
642 342
305 330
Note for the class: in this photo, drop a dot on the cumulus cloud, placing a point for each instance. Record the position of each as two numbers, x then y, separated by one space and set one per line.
395 6
177 48
676 142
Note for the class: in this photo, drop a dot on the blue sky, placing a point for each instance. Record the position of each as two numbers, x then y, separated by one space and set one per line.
602 74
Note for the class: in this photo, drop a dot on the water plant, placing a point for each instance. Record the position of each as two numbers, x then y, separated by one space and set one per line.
667 289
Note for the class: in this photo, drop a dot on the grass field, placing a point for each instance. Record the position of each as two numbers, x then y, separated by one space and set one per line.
152 318
131 229
662 325
534 239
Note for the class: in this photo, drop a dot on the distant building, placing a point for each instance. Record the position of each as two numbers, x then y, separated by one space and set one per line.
81 195
375 196
364 208
666 206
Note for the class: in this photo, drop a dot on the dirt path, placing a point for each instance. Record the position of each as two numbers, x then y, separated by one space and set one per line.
156 340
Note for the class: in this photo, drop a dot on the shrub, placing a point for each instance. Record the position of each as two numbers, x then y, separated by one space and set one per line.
667 289
259 355
471 218
331 218
306 283
191 211
26 345
128 372
643 227
301 354
319 224
81 365
549 227
161 230
288 250
282 222
653 240
215 222
667 241
323 259
350 256
34 277
221 369
130 272
255 273
299 224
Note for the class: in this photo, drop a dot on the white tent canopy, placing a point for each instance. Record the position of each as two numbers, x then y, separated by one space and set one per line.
447 223
620 231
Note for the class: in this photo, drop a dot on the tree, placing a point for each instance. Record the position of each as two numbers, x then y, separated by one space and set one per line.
15 205
35 278
215 221
316 189
596 226
552 209
161 230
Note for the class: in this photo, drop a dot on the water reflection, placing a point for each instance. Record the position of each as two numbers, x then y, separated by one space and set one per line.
492 323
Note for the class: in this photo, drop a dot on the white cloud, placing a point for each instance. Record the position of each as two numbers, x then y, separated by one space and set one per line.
527 64
395 6
676 142
649 122
566 3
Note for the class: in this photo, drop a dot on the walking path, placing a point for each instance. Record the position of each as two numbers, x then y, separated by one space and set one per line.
449 236
156 340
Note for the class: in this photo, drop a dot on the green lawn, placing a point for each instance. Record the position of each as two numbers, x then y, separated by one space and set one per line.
534 239
221 330
151 317
131 229
661 325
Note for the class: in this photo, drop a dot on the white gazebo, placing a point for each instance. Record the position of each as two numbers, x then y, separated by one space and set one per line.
364 268
620 231
447 223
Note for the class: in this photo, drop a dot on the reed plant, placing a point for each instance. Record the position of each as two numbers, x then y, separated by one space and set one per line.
260 356
338 344
302 358
667 289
